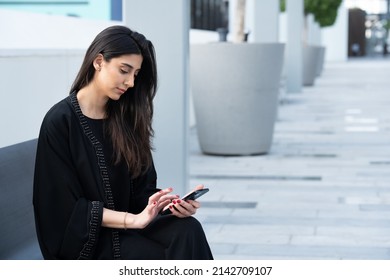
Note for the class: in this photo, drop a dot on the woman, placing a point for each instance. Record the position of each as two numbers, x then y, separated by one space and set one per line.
95 193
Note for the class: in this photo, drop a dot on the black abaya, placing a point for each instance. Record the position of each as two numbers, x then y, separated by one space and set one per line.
74 180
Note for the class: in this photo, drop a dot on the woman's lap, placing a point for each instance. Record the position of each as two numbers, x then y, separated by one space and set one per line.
168 237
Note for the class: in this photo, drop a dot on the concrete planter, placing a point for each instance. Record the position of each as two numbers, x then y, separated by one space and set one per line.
235 89
321 63
311 63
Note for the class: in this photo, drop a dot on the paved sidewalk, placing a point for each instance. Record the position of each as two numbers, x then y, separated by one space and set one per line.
323 191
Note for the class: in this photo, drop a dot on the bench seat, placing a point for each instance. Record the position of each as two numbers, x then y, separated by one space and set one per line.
18 239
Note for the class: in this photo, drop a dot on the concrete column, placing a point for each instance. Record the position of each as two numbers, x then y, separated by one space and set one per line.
335 37
263 20
166 24
313 31
317 34
294 50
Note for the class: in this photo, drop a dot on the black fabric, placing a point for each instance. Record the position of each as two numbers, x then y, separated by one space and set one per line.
168 237
74 179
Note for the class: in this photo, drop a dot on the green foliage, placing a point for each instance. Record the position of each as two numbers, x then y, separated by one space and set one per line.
282 6
387 25
324 11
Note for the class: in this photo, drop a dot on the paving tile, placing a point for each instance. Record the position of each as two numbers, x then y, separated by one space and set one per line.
375 241
316 252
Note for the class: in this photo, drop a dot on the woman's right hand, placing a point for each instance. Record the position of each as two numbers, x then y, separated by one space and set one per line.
156 203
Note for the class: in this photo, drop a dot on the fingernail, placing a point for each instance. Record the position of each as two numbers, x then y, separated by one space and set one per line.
174 202
154 203
170 207
178 201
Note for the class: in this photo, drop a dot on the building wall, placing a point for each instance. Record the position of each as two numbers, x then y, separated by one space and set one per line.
39 57
91 9
26 30
31 81
357 32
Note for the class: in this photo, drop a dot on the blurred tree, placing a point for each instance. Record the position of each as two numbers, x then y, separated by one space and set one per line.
324 12
239 21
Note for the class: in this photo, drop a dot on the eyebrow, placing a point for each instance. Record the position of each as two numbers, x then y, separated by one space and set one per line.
128 65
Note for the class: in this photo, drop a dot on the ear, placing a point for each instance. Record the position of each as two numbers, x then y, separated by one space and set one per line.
98 62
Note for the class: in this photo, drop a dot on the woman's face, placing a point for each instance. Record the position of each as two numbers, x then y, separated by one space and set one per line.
112 78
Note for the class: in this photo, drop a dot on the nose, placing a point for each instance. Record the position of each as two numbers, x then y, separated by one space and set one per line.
129 82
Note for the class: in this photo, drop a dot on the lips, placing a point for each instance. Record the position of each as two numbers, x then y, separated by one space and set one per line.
121 90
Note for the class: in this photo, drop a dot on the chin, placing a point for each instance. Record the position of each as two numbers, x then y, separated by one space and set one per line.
115 97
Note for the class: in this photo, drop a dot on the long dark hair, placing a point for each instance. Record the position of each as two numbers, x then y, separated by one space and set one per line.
129 120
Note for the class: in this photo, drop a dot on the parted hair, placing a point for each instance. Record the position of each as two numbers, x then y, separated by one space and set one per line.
129 119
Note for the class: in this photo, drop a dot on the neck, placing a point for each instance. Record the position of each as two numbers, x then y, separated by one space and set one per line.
91 103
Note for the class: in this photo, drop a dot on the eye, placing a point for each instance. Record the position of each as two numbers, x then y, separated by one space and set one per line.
123 71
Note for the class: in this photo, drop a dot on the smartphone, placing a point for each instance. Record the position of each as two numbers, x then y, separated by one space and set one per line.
190 196
195 194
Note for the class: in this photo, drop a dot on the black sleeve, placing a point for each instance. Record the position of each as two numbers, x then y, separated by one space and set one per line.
67 224
143 187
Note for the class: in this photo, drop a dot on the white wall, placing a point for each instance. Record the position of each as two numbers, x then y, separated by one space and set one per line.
31 81
198 36
93 9
39 59
262 20
24 30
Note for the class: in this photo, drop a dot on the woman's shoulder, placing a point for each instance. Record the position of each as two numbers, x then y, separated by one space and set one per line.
59 114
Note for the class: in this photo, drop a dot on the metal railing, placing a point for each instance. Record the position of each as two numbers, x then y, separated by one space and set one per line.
209 14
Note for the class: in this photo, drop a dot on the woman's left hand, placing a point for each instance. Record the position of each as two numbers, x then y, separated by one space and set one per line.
182 209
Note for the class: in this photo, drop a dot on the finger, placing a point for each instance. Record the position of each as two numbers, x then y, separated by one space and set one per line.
165 191
152 207
190 205
163 205
184 207
194 203
199 187
168 197
156 196
176 213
